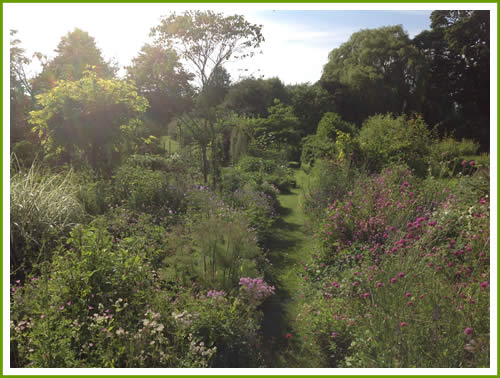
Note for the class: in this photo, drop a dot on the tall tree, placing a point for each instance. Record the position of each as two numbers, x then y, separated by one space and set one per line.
371 73
457 49
21 93
253 97
75 53
161 78
206 41
310 103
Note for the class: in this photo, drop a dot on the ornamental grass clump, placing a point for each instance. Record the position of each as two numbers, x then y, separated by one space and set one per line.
43 207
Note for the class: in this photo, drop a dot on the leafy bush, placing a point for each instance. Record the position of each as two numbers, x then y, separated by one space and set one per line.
386 140
328 181
102 302
446 156
147 190
43 208
25 153
215 247
334 139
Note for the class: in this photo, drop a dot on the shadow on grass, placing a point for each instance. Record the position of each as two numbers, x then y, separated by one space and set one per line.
285 252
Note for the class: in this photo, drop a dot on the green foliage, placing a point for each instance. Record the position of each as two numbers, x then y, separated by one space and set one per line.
310 103
43 208
371 73
334 139
279 131
207 39
446 156
160 77
401 261
385 139
25 153
253 97
461 105
259 171
91 118
76 52
144 189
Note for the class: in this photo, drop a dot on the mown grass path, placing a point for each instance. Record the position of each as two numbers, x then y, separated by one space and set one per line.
291 244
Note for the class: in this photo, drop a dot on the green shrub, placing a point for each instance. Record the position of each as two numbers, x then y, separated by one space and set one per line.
147 190
446 156
43 208
387 140
25 153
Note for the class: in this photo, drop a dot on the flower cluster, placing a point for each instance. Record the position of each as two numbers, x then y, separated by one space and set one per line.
255 290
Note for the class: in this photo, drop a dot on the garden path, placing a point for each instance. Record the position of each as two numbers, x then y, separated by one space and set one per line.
291 244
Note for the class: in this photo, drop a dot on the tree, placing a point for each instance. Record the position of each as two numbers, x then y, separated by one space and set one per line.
371 73
90 118
253 97
161 78
457 51
206 41
21 93
279 131
310 103
75 53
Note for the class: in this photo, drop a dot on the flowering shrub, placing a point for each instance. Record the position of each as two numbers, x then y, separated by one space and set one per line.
255 290
401 262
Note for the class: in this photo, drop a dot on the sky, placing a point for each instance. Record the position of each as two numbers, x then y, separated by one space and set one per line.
296 47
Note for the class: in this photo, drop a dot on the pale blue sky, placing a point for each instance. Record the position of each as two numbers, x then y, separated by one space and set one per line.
296 47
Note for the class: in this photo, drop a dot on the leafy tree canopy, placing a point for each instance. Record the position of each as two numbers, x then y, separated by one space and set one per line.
371 73
75 52
92 117
161 78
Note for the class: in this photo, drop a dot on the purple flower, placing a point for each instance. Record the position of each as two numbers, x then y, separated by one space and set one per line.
468 331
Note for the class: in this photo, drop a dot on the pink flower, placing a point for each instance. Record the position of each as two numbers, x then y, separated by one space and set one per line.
402 324
334 334
484 284
471 163
468 331
401 274
464 162
356 283
379 284
393 280
410 303
288 336
408 294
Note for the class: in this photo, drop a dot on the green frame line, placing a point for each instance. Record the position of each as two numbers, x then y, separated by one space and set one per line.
357 2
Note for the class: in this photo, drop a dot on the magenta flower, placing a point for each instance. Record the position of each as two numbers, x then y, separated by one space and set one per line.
379 284
471 163
401 274
468 331
464 162
393 280
408 294
484 284
356 283
402 324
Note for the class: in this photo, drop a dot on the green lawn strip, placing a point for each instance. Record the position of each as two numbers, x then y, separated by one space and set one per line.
290 246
